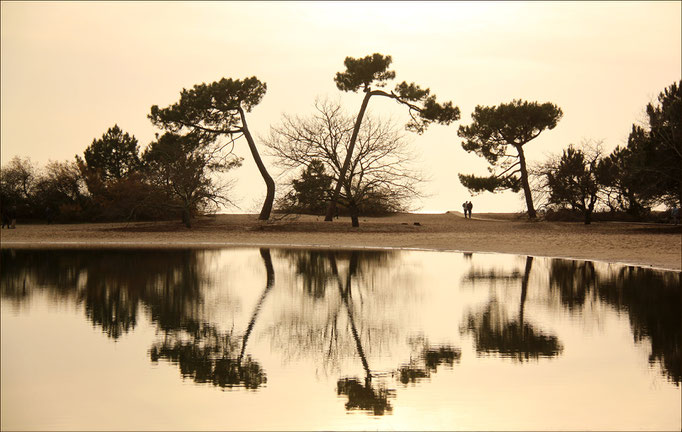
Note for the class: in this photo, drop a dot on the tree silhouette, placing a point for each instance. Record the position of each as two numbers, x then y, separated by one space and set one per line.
310 190
113 156
496 128
657 149
181 165
573 179
620 184
372 70
219 109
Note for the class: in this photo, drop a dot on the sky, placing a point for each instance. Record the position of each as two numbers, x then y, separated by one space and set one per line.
71 70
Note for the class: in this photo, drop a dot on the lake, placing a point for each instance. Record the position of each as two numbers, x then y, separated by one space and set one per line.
297 339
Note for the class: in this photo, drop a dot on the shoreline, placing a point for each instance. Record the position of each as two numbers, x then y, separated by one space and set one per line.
656 246
222 245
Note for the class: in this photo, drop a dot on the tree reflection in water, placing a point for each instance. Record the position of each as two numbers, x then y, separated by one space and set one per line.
208 356
111 284
495 333
652 299
338 278
427 360
365 396
371 396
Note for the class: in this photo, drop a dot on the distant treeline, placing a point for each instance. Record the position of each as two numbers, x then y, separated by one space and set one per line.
359 162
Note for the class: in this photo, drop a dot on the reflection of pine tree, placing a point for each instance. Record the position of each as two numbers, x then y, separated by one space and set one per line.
210 356
427 361
494 333
651 298
363 396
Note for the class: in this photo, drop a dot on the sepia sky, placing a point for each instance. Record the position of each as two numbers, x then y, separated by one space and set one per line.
71 70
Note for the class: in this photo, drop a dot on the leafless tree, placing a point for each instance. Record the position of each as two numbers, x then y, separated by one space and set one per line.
380 172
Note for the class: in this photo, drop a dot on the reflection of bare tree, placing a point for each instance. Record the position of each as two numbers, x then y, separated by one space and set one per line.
347 273
495 333
651 298
208 356
345 294
313 267
317 326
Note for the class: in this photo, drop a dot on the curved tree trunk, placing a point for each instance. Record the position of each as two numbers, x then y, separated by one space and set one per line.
269 283
269 182
525 184
331 207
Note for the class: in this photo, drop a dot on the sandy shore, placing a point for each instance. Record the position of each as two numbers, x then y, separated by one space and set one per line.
649 245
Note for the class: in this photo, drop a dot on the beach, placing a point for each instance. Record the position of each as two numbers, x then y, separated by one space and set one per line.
642 244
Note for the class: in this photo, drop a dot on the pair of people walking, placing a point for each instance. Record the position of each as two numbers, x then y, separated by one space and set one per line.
9 217
467 206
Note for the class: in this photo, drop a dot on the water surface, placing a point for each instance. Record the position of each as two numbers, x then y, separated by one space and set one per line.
295 339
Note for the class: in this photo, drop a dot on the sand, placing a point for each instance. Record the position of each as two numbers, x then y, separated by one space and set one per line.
641 244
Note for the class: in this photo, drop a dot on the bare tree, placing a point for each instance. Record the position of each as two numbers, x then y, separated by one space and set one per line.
379 170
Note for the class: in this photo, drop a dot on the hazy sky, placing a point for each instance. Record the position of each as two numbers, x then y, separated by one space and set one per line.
71 70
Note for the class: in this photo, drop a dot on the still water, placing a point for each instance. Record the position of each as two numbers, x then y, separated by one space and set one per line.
294 339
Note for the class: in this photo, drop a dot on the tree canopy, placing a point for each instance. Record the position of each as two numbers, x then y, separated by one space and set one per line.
657 149
311 190
182 166
113 156
573 179
496 128
219 108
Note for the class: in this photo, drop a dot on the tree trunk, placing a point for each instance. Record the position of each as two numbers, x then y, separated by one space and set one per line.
331 207
354 213
186 218
524 288
588 213
525 184
269 183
